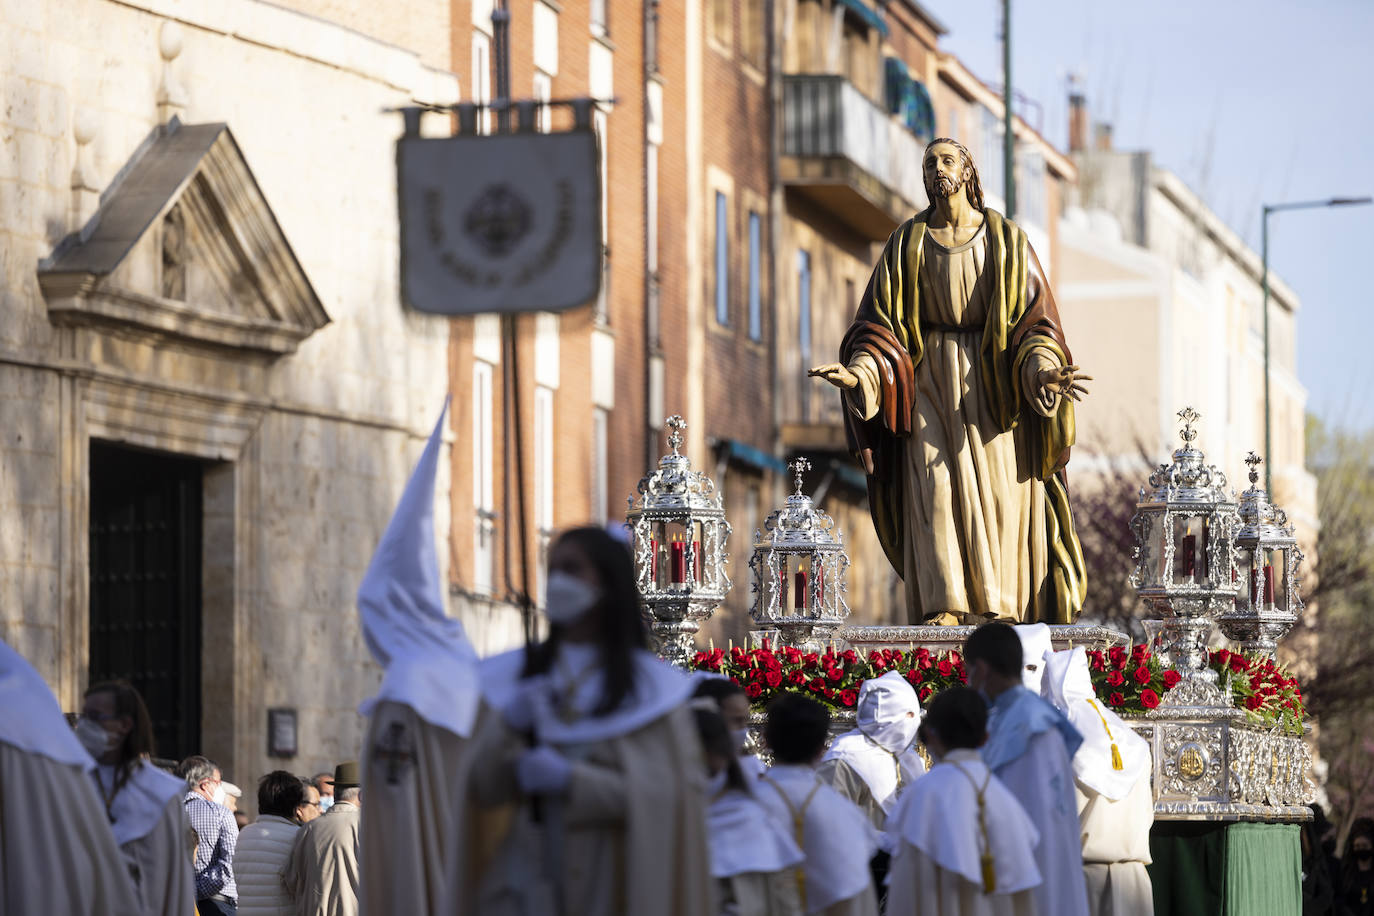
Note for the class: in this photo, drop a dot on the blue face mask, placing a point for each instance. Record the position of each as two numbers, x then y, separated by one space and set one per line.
326 802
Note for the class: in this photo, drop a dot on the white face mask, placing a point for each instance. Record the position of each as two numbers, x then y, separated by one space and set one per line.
568 598
219 794
326 801
94 738
716 784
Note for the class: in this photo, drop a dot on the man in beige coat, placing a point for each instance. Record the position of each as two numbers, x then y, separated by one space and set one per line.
322 873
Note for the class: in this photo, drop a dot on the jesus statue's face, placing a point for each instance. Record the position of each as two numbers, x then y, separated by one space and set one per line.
944 170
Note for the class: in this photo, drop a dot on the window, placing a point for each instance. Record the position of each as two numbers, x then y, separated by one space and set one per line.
718 21
722 260
543 478
481 79
754 33
601 421
1031 202
545 22
603 300
755 303
484 532
599 17
804 324
543 91
991 174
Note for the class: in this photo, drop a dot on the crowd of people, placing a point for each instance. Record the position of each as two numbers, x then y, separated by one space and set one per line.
581 775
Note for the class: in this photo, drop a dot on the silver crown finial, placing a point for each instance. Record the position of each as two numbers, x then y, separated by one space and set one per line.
1254 461
799 466
677 425
1189 416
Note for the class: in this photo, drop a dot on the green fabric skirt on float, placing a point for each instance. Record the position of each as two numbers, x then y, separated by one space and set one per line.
1211 869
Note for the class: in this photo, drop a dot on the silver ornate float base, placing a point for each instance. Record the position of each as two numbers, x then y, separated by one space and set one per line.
1210 763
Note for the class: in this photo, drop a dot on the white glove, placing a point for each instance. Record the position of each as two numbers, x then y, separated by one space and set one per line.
543 771
523 712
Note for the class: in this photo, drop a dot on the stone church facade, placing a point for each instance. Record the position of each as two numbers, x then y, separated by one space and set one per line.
210 394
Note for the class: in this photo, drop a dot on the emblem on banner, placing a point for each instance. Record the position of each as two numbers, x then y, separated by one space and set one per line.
500 223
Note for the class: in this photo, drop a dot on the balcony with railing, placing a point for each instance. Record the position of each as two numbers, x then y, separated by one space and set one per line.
848 155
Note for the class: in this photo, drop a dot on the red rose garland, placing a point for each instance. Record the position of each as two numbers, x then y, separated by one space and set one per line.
1131 681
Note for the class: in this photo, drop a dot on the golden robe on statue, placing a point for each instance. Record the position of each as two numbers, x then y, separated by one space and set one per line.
964 449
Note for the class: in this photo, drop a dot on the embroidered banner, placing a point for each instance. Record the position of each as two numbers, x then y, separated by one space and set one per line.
503 223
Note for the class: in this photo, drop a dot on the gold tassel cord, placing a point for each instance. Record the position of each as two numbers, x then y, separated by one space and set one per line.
1116 751
985 859
798 829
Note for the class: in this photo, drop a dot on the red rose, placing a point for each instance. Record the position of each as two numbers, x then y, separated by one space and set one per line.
923 659
1116 679
945 668
850 656
1116 699
1221 657
817 684
924 693
796 677
1171 679
1118 656
1254 702
1142 675
1148 698
1140 652
736 681
956 658
773 679
849 697
792 654
835 674
1238 663
914 676
811 660
876 660
753 691
828 693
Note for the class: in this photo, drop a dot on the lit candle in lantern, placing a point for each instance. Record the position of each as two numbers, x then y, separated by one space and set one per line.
1189 551
679 561
799 600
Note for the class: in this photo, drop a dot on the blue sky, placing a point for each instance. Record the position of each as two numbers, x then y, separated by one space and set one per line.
1249 103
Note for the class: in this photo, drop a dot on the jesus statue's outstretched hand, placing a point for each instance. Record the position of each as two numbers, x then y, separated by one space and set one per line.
1064 381
836 374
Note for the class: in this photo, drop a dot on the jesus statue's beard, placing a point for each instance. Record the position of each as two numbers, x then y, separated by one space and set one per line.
945 186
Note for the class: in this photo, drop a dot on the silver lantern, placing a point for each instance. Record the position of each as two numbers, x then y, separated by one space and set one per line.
679 535
1185 562
799 568
1267 604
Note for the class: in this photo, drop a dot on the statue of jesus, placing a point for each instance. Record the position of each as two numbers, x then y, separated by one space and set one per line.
959 391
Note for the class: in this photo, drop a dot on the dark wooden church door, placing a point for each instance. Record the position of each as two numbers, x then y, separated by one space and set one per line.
145 559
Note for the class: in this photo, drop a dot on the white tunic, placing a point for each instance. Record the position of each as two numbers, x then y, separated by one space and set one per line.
836 837
57 852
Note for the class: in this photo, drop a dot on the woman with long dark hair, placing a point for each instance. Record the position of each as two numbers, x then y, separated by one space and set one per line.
753 856
585 793
143 803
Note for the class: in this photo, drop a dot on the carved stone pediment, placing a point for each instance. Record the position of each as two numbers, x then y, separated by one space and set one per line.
185 246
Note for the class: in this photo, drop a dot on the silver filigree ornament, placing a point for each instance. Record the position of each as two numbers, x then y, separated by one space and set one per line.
1185 558
679 540
1268 602
800 567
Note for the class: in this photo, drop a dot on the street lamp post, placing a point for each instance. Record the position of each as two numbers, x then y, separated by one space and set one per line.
1264 286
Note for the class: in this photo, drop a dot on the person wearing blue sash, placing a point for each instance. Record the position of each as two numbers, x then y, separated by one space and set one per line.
1030 749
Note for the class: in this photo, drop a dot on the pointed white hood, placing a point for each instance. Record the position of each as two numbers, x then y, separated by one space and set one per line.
1035 645
1069 686
430 665
33 721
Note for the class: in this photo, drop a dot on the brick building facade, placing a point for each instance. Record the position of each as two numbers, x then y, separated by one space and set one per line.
757 154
